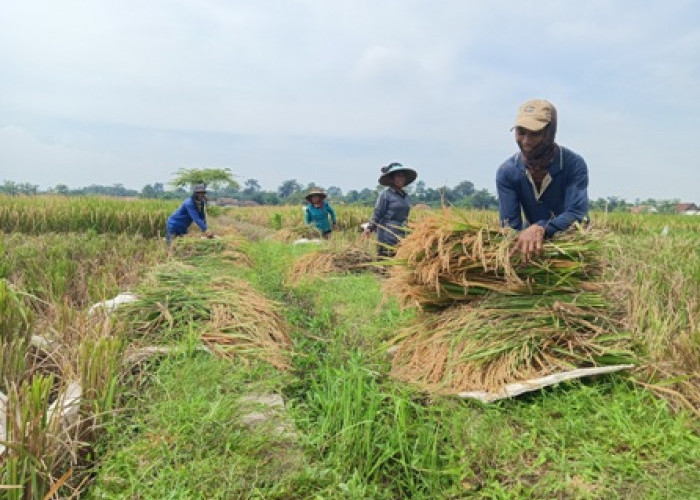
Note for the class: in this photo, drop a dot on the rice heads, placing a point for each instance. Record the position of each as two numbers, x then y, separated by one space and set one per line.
338 258
509 320
233 319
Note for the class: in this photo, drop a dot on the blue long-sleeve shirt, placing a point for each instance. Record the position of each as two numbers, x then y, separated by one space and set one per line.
563 198
181 218
390 215
319 216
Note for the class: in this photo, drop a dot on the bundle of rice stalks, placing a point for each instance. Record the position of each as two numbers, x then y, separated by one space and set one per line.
520 319
446 259
332 259
235 320
289 234
191 246
483 346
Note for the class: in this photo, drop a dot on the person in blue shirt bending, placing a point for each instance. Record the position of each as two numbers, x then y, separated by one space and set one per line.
193 209
318 211
546 182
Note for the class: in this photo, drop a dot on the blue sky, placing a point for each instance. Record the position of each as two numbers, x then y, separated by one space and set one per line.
128 92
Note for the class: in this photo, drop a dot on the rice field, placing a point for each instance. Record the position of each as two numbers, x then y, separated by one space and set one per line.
151 399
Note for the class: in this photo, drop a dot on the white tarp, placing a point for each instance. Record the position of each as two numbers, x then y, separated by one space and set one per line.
517 388
110 305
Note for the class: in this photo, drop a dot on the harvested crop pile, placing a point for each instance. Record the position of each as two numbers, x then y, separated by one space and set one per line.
489 319
333 259
233 318
194 245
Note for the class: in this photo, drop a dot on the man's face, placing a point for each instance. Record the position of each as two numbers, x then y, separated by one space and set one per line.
527 139
201 195
315 199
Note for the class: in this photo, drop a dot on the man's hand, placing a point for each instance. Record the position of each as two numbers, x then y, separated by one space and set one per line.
208 233
366 233
530 242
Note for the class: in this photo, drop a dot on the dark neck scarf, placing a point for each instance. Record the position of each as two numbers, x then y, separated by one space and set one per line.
542 156
199 205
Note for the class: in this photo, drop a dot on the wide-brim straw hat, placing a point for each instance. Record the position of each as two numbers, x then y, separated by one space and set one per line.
315 191
391 169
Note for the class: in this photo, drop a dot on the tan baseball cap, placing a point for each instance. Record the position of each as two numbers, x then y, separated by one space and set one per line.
534 115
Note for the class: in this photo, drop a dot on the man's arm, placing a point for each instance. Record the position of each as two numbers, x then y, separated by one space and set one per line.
192 211
575 200
380 208
509 211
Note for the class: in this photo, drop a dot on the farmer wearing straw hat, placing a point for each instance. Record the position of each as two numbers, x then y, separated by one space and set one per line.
193 209
318 210
392 207
547 182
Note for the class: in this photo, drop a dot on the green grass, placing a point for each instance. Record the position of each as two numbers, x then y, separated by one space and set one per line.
185 439
351 432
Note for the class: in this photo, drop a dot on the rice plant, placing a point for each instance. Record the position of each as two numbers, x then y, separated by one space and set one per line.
60 214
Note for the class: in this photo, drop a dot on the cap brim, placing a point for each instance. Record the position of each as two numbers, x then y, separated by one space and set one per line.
530 123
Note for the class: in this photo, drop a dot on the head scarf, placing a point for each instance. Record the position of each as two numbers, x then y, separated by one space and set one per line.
199 206
543 154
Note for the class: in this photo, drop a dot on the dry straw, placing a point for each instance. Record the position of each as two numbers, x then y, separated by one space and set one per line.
234 319
521 320
338 258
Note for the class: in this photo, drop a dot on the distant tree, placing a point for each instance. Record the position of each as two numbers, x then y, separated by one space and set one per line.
367 196
483 200
266 198
419 191
335 192
215 178
668 206
352 196
287 188
61 189
9 187
614 203
148 191
463 189
251 186
28 189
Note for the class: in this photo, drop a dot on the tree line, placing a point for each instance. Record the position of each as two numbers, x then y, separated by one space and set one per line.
464 194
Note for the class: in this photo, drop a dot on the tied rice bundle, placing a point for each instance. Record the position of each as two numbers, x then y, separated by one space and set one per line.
509 320
334 259
235 320
446 259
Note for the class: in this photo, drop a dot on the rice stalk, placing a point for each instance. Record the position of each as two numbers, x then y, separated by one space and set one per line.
506 339
340 258
446 259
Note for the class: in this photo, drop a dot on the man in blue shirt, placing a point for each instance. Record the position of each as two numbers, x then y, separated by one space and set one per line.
544 181
193 209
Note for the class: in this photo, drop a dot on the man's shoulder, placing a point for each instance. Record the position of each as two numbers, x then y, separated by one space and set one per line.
572 158
510 165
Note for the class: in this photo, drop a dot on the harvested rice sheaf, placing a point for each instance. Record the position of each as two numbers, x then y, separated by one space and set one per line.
228 247
495 319
333 259
235 320
446 259
505 339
